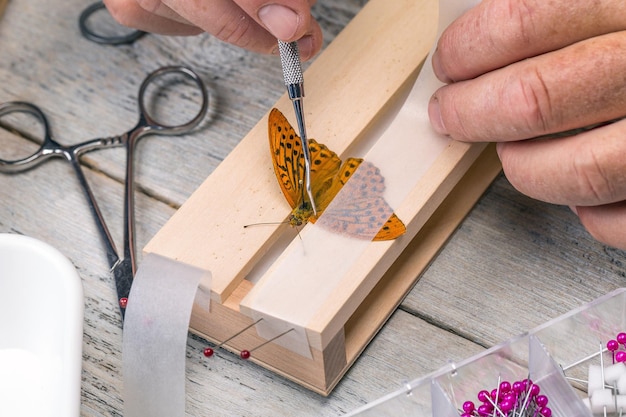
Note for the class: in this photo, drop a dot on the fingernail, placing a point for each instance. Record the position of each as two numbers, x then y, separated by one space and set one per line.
280 21
438 70
305 46
574 209
434 113
499 150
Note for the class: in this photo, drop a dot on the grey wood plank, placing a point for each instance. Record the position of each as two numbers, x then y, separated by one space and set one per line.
513 264
37 204
255 391
98 87
224 385
89 91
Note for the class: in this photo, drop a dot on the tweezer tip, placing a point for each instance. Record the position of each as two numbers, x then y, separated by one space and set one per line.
310 193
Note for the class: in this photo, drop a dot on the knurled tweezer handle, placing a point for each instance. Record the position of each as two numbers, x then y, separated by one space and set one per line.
294 81
292 70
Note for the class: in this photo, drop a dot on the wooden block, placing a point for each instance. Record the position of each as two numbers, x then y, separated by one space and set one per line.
328 366
350 81
350 86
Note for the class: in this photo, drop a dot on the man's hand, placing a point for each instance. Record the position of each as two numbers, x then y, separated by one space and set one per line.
519 69
250 24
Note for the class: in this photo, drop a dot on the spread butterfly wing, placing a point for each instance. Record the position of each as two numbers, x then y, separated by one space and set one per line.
360 209
392 229
325 166
286 150
288 161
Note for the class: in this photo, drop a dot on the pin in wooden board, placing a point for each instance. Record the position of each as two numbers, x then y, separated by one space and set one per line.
352 88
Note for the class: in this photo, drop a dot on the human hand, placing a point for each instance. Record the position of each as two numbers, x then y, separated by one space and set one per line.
250 24
521 69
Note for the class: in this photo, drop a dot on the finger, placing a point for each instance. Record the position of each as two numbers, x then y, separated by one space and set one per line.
588 169
499 32
287 21
253 25
129 13
576 86
157 7
605 223
278 19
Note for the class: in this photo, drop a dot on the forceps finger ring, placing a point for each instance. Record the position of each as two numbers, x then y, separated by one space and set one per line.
89 33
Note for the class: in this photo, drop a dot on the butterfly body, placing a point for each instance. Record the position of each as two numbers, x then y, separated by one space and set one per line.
362 212
301 214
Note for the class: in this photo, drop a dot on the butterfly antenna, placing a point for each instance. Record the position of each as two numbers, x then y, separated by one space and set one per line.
245 226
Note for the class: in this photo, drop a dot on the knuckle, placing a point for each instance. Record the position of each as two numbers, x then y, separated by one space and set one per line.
537 111
150 6
593 178
235 30
518 34
522 20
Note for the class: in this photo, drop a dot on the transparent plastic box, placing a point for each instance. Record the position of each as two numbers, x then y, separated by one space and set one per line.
566 345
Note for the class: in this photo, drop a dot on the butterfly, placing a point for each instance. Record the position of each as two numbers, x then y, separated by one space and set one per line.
362 212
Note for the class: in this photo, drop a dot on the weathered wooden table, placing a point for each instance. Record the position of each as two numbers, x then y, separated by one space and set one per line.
513 264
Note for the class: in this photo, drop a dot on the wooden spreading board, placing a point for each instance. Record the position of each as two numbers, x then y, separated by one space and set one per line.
370 63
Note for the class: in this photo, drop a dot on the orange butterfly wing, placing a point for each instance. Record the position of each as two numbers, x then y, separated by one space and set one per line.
288 161
357 215
360 210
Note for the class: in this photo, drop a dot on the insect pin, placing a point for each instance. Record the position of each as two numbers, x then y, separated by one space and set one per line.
519 399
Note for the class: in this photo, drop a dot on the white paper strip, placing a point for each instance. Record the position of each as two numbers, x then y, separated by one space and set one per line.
155 337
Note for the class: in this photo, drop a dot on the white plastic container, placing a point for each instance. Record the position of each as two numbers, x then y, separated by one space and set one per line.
41 330
569 343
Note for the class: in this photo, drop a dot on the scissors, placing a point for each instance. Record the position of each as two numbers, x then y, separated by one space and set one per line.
122 268
91 34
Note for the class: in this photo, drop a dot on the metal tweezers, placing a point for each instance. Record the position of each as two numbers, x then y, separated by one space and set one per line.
294 81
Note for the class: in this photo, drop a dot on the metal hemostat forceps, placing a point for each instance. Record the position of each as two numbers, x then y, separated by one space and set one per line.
294 81
122 269
122 36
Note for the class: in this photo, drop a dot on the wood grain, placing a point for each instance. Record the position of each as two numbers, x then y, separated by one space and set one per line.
322 298
246 181
514 262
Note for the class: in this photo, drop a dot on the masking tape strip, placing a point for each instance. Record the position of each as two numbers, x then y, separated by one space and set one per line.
155 336
306 275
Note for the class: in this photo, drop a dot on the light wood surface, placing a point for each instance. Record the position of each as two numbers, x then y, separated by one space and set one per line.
513 264
319 289
350 74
